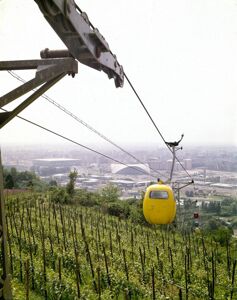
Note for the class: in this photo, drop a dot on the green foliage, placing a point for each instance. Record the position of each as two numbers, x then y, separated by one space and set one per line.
227 201
85 198
188 204
70 187
233 208
19 292
228 207
62 195
23 180
212 207
110 193
234 223
73 249
119 209
136 215
218 230
59 195
53 183
127 209
9 183
212 224
222 235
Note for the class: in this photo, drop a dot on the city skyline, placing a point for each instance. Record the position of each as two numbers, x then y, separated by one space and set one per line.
212 170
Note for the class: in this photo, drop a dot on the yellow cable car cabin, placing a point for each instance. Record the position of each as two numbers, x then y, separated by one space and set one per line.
159 205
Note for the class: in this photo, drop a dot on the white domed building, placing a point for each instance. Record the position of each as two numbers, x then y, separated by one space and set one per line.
130 169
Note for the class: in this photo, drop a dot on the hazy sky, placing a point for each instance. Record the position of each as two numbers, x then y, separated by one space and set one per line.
181 56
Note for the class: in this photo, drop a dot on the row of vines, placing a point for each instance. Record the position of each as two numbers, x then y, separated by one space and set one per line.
70 252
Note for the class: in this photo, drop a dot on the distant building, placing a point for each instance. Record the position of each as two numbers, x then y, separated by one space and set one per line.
224 185
51 166
177 166
188 163
157 163
154 163
123 183
130 169
169 164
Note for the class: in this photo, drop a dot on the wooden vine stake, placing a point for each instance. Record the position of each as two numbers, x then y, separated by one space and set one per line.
153 284
27 279
5 289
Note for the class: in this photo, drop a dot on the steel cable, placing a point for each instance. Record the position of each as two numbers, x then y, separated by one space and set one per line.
59 106
81 145
144 107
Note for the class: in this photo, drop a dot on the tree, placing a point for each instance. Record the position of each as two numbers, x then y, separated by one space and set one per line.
70 187
219 232
223 235
14 174
187 204
85 198
30 184
120 209
22 180
212 224
9 183
234 208
110 193
53 183
59 195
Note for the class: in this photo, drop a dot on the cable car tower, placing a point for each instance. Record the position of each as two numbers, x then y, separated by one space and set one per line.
174 146
159 204
84 44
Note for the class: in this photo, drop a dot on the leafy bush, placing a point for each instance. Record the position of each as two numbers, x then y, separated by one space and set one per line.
136 216
110 193
59 195
218 231
118 209
23 180
222 235
85 198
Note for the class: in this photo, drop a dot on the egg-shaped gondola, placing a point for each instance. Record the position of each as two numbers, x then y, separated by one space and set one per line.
159 205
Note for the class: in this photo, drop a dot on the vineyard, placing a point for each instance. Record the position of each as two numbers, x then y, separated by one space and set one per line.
69 252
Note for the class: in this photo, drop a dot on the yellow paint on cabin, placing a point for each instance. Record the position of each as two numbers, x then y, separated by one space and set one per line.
159 211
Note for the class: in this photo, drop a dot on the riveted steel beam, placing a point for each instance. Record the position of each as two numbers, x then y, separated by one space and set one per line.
83 41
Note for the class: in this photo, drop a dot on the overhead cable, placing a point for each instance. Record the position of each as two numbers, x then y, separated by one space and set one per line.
59 106
153 122
81 145
144 107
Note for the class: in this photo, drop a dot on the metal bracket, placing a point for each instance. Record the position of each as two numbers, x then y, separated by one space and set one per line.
177 187
174 147
48 72
84 42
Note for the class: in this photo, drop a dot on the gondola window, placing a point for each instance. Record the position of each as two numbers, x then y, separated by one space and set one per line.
159 195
